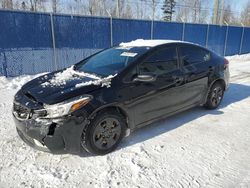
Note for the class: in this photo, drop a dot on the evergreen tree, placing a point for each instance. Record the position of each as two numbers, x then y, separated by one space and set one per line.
168 9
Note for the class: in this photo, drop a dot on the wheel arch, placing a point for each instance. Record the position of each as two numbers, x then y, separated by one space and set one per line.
116 108
219 80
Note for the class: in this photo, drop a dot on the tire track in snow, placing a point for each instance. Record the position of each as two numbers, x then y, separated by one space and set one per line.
242 76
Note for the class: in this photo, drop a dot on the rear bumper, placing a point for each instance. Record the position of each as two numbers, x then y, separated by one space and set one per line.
227 78
54 136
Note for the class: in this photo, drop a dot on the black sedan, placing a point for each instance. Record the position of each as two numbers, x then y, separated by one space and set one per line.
96 102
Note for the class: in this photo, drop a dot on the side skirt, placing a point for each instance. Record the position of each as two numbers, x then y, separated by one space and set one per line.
165 116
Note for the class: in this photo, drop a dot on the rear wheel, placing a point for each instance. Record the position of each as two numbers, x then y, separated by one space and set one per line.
215 96
104 133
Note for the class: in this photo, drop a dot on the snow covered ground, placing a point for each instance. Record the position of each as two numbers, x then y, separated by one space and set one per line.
197 148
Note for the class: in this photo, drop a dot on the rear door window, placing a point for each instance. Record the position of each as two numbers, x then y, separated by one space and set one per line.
191 55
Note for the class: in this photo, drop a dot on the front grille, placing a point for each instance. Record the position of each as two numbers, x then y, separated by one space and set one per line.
20 111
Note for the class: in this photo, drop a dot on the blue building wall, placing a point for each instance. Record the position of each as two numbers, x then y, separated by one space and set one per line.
26 42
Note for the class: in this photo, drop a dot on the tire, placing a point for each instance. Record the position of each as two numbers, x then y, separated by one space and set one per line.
104 133
215 96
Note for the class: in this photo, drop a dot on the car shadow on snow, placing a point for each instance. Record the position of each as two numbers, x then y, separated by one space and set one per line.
236 93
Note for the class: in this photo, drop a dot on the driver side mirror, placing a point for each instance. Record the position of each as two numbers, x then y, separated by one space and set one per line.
145 78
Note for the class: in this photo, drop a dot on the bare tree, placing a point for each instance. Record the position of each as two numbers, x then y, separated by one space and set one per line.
33 5
224 14
228 16
41 5
23 6
78 7
203 12
154 5
127 12
184 13
215 18
120 4
141 4
95 7
92 7
55 5
16 5
7 4
199 14
192 11
245 15
196 10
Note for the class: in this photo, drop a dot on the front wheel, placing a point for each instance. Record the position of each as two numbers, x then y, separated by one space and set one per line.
215 96
104 133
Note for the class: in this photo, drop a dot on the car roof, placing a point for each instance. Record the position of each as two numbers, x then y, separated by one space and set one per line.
150 43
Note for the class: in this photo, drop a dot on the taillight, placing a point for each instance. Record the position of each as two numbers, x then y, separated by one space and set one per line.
226 63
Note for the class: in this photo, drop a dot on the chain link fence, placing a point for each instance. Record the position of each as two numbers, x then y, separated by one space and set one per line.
31 43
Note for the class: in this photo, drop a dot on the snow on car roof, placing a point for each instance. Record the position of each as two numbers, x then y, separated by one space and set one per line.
149 43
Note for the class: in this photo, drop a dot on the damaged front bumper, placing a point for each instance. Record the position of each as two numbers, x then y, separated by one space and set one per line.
61 135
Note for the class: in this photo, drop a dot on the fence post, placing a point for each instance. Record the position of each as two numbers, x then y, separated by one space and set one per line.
225 45
153 17
242 37
208 27
5 73
183 31
152 29
53 41
111 28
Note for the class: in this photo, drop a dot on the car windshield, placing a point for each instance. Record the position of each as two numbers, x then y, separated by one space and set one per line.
110 61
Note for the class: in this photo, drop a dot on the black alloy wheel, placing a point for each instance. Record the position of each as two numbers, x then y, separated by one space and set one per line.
215 96
104 133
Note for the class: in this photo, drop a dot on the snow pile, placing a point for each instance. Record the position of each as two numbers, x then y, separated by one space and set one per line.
61 78
106 81
148 43
16 82
239 58
69 74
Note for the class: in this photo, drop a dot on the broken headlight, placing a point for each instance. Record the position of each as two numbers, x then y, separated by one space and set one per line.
63 108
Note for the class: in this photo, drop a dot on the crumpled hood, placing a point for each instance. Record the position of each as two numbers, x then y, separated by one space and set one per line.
56 87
